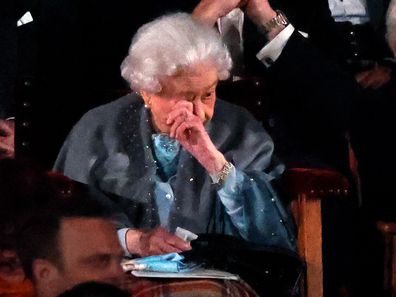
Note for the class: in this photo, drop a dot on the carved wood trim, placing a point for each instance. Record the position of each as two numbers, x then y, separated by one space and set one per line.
307 213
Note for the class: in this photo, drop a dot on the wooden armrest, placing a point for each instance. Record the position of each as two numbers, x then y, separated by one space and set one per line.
315 183
389 232
306 187
62 185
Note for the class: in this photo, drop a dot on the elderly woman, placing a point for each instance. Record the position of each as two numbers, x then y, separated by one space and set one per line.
174 154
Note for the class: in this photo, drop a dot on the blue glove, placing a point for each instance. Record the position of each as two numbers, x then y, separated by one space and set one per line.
172 262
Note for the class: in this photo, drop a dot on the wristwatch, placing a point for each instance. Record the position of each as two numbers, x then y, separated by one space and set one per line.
280 21
220 177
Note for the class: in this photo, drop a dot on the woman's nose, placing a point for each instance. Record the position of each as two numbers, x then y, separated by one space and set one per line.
198 109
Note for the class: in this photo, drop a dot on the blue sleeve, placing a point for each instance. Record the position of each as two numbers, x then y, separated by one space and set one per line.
121 233
255 210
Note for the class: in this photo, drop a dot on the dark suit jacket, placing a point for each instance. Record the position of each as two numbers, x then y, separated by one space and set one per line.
311 99
314 17
310 95
372 133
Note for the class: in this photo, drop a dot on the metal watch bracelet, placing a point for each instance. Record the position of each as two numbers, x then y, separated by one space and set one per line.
219 178
279 21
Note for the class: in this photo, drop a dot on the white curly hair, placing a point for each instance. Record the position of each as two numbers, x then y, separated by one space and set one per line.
169 44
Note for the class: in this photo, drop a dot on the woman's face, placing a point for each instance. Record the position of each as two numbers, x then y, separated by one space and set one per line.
196 85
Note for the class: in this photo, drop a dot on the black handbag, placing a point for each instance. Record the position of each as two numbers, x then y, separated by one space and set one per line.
270 271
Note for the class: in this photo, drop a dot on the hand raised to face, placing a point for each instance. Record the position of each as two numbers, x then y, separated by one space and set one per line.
188 128
185 104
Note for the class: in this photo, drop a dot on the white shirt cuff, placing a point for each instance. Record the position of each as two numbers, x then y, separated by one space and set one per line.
122 239
272 50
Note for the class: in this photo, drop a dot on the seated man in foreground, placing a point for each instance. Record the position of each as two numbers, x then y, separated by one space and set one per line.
62 248
64 239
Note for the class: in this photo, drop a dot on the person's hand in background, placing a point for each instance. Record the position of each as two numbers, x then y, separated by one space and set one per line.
375 77
7 136
208 11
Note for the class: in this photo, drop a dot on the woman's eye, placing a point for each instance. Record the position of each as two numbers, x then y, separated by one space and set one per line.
188 97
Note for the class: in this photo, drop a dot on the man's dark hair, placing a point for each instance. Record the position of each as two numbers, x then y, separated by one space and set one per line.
37 238
26 189
95 289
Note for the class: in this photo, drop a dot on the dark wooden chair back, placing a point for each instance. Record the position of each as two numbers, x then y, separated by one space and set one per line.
306 187
388 230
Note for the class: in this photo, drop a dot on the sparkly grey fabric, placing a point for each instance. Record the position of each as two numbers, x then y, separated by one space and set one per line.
110 149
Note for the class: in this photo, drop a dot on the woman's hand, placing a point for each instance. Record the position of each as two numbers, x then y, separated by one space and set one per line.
188 128
154 242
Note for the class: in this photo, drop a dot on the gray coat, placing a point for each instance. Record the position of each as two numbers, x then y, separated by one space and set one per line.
110 148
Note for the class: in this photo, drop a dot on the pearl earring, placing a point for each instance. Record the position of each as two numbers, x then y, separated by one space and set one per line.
148 104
